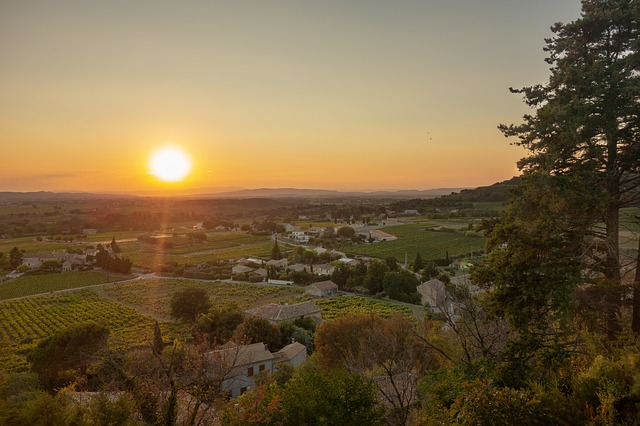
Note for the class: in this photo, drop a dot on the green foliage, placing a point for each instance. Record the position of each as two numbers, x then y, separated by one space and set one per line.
374 278
276 254
535 259
220 323
25 321
260 406
483 404
346 232
418 263
15 257
257 329
587 123
65 355
401 286
42 408
314 396
189 303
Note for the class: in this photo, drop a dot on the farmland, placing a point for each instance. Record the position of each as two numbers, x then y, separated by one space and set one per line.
218 246
24 321
417 238
37 284
155 294
355 305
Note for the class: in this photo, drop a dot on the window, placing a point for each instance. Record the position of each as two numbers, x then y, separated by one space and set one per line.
243 390
250 371
261 368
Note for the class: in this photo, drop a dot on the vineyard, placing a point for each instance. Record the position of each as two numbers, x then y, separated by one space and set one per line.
23 322
218 246
355 305
417 238
155 294
38 284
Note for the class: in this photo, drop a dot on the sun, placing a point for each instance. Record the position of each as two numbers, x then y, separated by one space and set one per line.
170 164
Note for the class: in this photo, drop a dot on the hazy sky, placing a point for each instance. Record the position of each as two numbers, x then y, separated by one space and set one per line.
344 94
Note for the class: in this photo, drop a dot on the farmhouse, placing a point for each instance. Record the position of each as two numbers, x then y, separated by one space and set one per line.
67 260
240 364
279 264
434 295
293 354
378 235
241 269
324 269
322 289
277 314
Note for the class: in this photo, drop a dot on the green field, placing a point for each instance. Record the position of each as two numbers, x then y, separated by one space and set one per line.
417 238
155 295
184 251
37 284
23 322
336 307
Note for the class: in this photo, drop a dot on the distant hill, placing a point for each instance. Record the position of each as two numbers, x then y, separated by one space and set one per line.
326 193
231 193
498 192
19 197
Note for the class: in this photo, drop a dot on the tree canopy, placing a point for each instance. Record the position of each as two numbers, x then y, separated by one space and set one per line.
188 304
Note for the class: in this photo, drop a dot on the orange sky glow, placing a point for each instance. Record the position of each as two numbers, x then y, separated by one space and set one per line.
355 95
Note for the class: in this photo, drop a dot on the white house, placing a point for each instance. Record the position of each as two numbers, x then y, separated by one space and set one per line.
299 236
239 365
294 354
324 269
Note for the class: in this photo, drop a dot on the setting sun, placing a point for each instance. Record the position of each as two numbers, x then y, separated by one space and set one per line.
170 164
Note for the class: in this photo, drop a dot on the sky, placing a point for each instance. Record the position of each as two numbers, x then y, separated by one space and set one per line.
347 95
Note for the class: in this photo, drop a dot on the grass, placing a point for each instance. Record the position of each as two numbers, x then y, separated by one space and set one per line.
38 284
155 294
416 238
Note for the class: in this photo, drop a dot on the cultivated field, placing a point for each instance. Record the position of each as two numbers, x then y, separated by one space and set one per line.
219 246
23 322
37 284
336 307
418 238
155 295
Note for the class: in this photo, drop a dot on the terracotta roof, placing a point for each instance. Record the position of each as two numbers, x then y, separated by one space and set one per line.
289 352
325 285
234 355
275 312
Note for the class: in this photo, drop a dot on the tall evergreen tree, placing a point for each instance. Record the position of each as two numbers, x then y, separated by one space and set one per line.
275 251
587 116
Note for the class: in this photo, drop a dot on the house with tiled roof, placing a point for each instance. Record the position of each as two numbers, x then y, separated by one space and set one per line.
293 354
433 294
277 314
239 365
322 289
